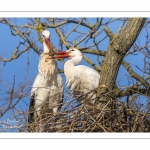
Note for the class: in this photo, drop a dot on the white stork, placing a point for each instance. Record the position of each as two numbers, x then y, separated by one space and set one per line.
48 83
81 79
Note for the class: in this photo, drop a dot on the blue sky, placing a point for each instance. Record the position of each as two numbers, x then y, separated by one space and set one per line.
18 67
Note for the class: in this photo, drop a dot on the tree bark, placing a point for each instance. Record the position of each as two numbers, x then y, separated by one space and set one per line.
119 45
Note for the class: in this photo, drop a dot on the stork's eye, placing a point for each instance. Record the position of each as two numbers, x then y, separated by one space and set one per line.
72 50
43 36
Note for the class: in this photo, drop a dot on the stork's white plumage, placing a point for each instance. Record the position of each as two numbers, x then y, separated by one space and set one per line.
81 79
48 82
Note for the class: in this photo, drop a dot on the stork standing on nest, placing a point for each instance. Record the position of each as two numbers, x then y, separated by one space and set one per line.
48 88
81 79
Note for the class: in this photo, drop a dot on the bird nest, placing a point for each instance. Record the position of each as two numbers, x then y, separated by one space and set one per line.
113 116
74 117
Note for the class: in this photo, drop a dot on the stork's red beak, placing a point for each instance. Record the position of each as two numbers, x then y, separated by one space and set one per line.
47 42
49 45
61 55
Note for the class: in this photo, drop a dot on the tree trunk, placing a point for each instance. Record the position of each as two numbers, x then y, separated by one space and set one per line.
119 45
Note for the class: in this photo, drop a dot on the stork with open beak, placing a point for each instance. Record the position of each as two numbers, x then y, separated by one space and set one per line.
47 88
81 79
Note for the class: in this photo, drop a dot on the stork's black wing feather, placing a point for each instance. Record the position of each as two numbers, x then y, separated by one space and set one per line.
31 109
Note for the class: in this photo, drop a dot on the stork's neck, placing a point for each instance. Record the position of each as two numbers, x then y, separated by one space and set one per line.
70 70
70 64
46 50
47 67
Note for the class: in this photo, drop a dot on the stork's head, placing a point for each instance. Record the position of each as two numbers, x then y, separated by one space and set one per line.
46 43
46 34
72 53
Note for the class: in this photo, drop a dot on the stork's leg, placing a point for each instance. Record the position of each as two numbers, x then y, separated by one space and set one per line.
39 120
57 125
55 110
